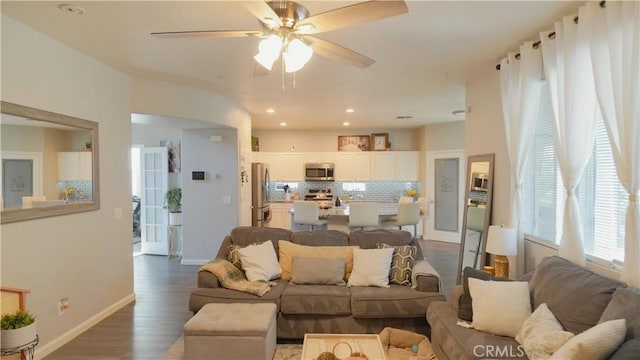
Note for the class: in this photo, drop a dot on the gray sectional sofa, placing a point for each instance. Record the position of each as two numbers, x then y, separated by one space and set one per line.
331 308
578 297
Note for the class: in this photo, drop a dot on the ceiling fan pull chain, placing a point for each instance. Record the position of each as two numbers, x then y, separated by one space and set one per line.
282 72
294 79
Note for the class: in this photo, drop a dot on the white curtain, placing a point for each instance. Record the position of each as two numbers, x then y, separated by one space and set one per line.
615 52
567 65
520 82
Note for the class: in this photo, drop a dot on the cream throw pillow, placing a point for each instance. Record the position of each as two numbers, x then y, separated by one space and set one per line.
260 262
499 307
541 334
371 267
599 342
288 250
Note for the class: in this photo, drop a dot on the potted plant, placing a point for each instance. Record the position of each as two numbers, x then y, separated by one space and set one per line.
17 329
173 198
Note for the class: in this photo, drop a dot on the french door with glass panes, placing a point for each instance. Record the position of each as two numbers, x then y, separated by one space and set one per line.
154 215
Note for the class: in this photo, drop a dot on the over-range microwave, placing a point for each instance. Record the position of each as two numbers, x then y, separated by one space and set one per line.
318 172
480 182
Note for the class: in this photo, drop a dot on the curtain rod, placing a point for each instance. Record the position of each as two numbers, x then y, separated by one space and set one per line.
552 35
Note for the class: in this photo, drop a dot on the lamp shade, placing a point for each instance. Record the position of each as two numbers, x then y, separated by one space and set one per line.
269 51
501 240
296 55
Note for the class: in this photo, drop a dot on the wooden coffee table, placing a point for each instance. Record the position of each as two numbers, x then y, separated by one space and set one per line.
342 345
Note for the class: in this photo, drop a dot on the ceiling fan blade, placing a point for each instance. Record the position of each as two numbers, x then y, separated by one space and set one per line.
264 13
208 33
339 53
352 15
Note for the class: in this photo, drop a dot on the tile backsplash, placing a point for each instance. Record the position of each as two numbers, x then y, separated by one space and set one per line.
370 191
83 190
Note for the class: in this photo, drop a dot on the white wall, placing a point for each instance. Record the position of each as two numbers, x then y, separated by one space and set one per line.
327 140
206 219
87 256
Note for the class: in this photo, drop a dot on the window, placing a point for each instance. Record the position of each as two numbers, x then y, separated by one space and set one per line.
603 200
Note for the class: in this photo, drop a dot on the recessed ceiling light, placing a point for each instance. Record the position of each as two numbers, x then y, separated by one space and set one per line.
270 111
346 123
349 110
404 117
71 9
283 124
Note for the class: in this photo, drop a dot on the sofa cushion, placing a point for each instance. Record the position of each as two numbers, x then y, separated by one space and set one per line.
627 351
369 239
247 235
465 304
315 299
320 238
625 304
576 296
397 301
201 296
288 250
451 341
318 271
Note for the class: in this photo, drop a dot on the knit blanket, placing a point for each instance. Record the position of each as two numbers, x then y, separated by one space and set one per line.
230 277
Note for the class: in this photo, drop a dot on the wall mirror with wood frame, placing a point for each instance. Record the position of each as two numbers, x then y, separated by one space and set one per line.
49 164
477 214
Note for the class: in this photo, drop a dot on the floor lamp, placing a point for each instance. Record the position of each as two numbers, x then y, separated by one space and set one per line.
501 242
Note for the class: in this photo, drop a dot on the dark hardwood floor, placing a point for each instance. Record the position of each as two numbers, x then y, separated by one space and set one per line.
147 328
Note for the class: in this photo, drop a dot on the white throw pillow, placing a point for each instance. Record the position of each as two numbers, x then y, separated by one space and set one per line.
541 334
499 307
260 262
371 267
596 343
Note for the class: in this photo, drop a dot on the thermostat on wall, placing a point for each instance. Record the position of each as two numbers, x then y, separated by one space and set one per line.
197 175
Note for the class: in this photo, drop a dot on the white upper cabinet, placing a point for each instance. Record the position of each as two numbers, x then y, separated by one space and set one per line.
406 165
319 157
394 166
353 166
283 166
74 166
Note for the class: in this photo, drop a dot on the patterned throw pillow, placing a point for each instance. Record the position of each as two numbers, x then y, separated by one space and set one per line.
233 256
401 263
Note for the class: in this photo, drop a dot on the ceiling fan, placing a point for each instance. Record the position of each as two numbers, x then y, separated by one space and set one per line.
288 31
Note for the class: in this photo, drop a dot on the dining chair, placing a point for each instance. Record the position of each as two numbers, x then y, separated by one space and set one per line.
405 199
363 214
408 214
307 213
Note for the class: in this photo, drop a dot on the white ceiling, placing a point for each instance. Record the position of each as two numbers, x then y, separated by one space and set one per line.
423 58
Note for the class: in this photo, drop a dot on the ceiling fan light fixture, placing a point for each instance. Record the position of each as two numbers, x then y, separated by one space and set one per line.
296 55
269 51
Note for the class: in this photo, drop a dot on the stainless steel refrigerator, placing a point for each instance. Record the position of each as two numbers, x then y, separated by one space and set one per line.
260 208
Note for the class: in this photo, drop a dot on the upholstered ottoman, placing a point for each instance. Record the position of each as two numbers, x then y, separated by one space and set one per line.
231 331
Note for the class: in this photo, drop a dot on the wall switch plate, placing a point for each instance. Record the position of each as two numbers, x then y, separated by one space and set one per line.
63 305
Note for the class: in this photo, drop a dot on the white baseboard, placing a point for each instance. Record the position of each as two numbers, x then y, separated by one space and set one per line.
194 261
55 344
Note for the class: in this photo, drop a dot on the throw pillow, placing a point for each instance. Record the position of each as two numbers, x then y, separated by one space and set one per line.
499 307
260 262
233 256
371 267
541 334
288 250
596 343
401 263
627 351
465 310
318 271
624 305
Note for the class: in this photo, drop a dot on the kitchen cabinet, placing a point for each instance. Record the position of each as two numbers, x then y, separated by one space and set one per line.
74 166
283 166
280 215
319 157
394 166
353 166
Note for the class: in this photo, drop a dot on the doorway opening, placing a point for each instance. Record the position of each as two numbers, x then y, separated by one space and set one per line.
135 199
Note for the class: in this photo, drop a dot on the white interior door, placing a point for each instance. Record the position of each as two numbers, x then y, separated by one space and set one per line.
445 189
154 177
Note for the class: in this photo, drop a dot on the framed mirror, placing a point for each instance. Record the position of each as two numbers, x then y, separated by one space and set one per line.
49 164
477 214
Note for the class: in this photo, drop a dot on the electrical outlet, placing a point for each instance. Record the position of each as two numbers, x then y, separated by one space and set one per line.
63 305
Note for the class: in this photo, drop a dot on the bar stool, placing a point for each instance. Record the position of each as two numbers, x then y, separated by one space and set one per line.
363 214
307 213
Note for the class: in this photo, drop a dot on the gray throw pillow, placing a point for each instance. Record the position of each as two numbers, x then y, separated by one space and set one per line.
465 310
317 271
625 304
